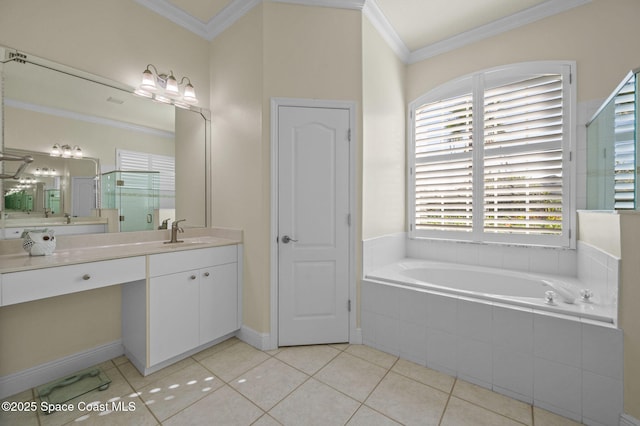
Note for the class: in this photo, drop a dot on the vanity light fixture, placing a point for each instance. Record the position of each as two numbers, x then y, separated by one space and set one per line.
165 88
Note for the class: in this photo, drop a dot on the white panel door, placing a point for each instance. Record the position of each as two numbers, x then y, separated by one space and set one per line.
83 191
313 225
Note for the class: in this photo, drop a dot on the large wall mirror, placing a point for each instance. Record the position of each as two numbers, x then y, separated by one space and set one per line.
142 161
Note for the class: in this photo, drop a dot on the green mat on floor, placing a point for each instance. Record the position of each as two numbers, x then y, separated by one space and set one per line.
65 389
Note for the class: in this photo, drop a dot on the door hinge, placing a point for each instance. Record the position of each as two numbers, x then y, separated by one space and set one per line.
349 305
349 135
349 219
570 155
121 218
120 182
569 232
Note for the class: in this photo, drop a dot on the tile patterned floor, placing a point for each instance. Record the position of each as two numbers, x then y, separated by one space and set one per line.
234 384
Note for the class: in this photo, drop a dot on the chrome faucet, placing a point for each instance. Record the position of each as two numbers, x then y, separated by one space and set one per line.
47 212
174 232
68 217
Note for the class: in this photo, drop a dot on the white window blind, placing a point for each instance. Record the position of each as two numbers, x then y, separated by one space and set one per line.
523 133
142 161
499 172
624 147
443 159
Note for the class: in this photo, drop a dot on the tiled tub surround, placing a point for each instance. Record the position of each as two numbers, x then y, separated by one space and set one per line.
562 363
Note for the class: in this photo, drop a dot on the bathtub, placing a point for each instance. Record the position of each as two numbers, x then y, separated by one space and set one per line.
497 285
494 328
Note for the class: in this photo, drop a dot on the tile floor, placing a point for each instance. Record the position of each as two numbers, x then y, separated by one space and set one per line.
234 384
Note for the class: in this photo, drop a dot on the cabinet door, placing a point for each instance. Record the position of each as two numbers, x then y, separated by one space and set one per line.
218 301
173 315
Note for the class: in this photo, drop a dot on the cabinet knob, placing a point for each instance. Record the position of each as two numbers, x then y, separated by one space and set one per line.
86 277
192 277
206 274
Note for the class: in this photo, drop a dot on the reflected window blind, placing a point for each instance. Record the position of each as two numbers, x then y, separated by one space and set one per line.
624 147
142 161
523 133
443 164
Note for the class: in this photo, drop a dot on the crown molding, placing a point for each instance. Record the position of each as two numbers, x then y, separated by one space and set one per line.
380 22
72 115
228 16
238 8
338 4
508 23
176 15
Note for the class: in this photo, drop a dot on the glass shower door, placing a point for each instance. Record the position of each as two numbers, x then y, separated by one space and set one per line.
135 195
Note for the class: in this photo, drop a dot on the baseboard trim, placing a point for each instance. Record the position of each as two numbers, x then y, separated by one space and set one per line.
254 338
627 420
43 373
356 337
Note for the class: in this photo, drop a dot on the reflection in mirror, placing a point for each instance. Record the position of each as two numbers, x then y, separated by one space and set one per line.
612 150
47 104
51 186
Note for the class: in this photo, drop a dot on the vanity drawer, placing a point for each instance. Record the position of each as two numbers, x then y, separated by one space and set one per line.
18 287
185 260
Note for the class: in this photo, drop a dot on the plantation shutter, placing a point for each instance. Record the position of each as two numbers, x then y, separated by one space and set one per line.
624 147
142 161
443 165
523 138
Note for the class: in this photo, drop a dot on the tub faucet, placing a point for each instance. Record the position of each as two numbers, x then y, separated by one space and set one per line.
562 289
174 232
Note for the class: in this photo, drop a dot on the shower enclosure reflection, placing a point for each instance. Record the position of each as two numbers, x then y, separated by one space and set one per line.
611 150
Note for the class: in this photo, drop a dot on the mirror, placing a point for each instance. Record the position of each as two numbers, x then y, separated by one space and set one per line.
47 104
50 186
612 153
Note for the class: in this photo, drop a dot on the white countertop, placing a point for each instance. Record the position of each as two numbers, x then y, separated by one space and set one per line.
97 247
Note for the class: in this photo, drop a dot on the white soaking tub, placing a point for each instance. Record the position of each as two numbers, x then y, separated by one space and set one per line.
498 285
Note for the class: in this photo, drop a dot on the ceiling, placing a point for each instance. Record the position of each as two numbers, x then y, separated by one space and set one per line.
415 29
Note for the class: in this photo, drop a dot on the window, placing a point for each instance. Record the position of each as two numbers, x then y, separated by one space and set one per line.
490 157
142 161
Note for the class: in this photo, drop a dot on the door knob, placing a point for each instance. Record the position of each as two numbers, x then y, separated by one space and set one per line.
286 239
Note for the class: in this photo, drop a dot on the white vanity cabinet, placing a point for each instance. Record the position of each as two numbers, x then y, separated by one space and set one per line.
193 300
25 286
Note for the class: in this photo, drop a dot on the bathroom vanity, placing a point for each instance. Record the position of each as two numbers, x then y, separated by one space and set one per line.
177 299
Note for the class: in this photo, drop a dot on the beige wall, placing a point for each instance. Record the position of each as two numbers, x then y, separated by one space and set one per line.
600 36
237 151
629 311
20 133
115 40
276 50
384 124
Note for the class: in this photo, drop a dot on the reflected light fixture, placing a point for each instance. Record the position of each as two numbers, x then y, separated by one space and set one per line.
165 88
65 151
